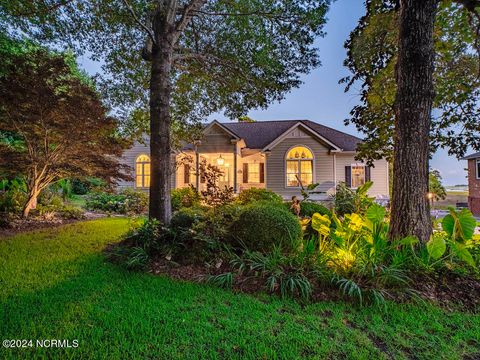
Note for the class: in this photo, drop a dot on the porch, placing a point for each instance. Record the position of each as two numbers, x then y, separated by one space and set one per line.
240 171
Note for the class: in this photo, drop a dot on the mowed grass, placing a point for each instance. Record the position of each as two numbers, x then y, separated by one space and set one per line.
56 284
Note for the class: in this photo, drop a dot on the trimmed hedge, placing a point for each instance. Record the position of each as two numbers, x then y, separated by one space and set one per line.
255 194
262 226
308 208
185 218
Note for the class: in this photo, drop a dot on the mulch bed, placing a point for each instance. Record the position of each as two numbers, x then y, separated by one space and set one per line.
448 290
19 225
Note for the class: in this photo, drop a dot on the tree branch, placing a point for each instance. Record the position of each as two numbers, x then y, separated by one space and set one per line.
187 14
139 22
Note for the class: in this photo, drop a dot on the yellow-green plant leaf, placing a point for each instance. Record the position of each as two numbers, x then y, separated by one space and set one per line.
436 247
321 224
461 251
459 225
355 222
375 213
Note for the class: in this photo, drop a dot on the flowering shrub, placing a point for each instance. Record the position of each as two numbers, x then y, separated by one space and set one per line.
127 201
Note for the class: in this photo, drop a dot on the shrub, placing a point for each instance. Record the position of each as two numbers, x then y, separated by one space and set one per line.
71 212
255 194
347 201
185 198
263 226
12 196
86 185
185 218
216 225
308 208
127 201
136 202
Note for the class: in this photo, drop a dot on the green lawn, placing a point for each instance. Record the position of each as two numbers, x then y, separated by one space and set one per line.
56 284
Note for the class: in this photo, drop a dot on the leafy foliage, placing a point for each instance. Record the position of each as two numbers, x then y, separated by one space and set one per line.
185 197
459 227
263 226
214 194
372 55
435 185
347 200
308 208
248 196
56 115
125 202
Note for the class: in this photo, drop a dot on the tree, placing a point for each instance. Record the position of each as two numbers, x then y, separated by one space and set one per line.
186 59
392 53
60 121
435 186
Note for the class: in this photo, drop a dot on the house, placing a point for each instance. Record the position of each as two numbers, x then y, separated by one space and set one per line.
473 182
277 155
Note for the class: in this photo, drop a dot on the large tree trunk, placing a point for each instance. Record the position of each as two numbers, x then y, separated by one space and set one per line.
415 92
160 95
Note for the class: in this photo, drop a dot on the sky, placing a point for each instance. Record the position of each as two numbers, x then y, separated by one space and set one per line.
321 98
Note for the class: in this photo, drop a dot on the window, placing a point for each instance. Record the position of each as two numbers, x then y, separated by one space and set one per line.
142 171
253 173
477 163
358 175
299 166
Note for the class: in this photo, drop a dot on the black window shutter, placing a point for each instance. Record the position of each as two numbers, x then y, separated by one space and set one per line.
348 176
367 173
262 172
186 174
245 173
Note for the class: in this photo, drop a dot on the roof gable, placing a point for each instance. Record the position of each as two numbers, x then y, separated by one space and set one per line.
258 135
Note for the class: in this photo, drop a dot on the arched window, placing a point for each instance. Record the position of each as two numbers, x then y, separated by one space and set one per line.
299 165
142 171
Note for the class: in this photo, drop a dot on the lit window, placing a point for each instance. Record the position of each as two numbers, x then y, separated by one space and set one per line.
254 173
142 171
358 175
299 166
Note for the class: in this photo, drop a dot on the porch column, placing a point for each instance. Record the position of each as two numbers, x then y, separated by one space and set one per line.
235 167
197 170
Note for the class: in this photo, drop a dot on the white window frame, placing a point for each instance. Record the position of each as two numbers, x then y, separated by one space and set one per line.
477 175
250 167
351 174
299 166
143 171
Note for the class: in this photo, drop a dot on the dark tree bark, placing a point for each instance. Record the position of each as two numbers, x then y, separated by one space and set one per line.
160 121
413 105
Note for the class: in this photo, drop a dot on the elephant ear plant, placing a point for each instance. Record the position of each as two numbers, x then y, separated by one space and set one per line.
459 227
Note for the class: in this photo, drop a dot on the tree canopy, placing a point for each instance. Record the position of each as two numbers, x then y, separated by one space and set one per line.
372 55
59 123
229 56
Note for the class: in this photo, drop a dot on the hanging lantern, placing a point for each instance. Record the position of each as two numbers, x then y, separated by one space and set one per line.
220 160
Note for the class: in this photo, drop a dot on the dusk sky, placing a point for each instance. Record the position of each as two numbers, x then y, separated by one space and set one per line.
322 99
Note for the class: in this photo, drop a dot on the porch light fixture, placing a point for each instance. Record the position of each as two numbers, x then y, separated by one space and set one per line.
220 160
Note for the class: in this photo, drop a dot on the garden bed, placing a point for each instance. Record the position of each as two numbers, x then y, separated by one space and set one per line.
18 224
447 290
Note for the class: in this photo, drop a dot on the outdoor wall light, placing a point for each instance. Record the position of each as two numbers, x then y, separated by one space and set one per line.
220 160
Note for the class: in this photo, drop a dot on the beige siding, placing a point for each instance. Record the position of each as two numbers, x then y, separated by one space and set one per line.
216 140
275 167
378 174
130 156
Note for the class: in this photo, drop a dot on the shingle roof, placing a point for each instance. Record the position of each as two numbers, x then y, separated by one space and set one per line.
259 134
471 156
